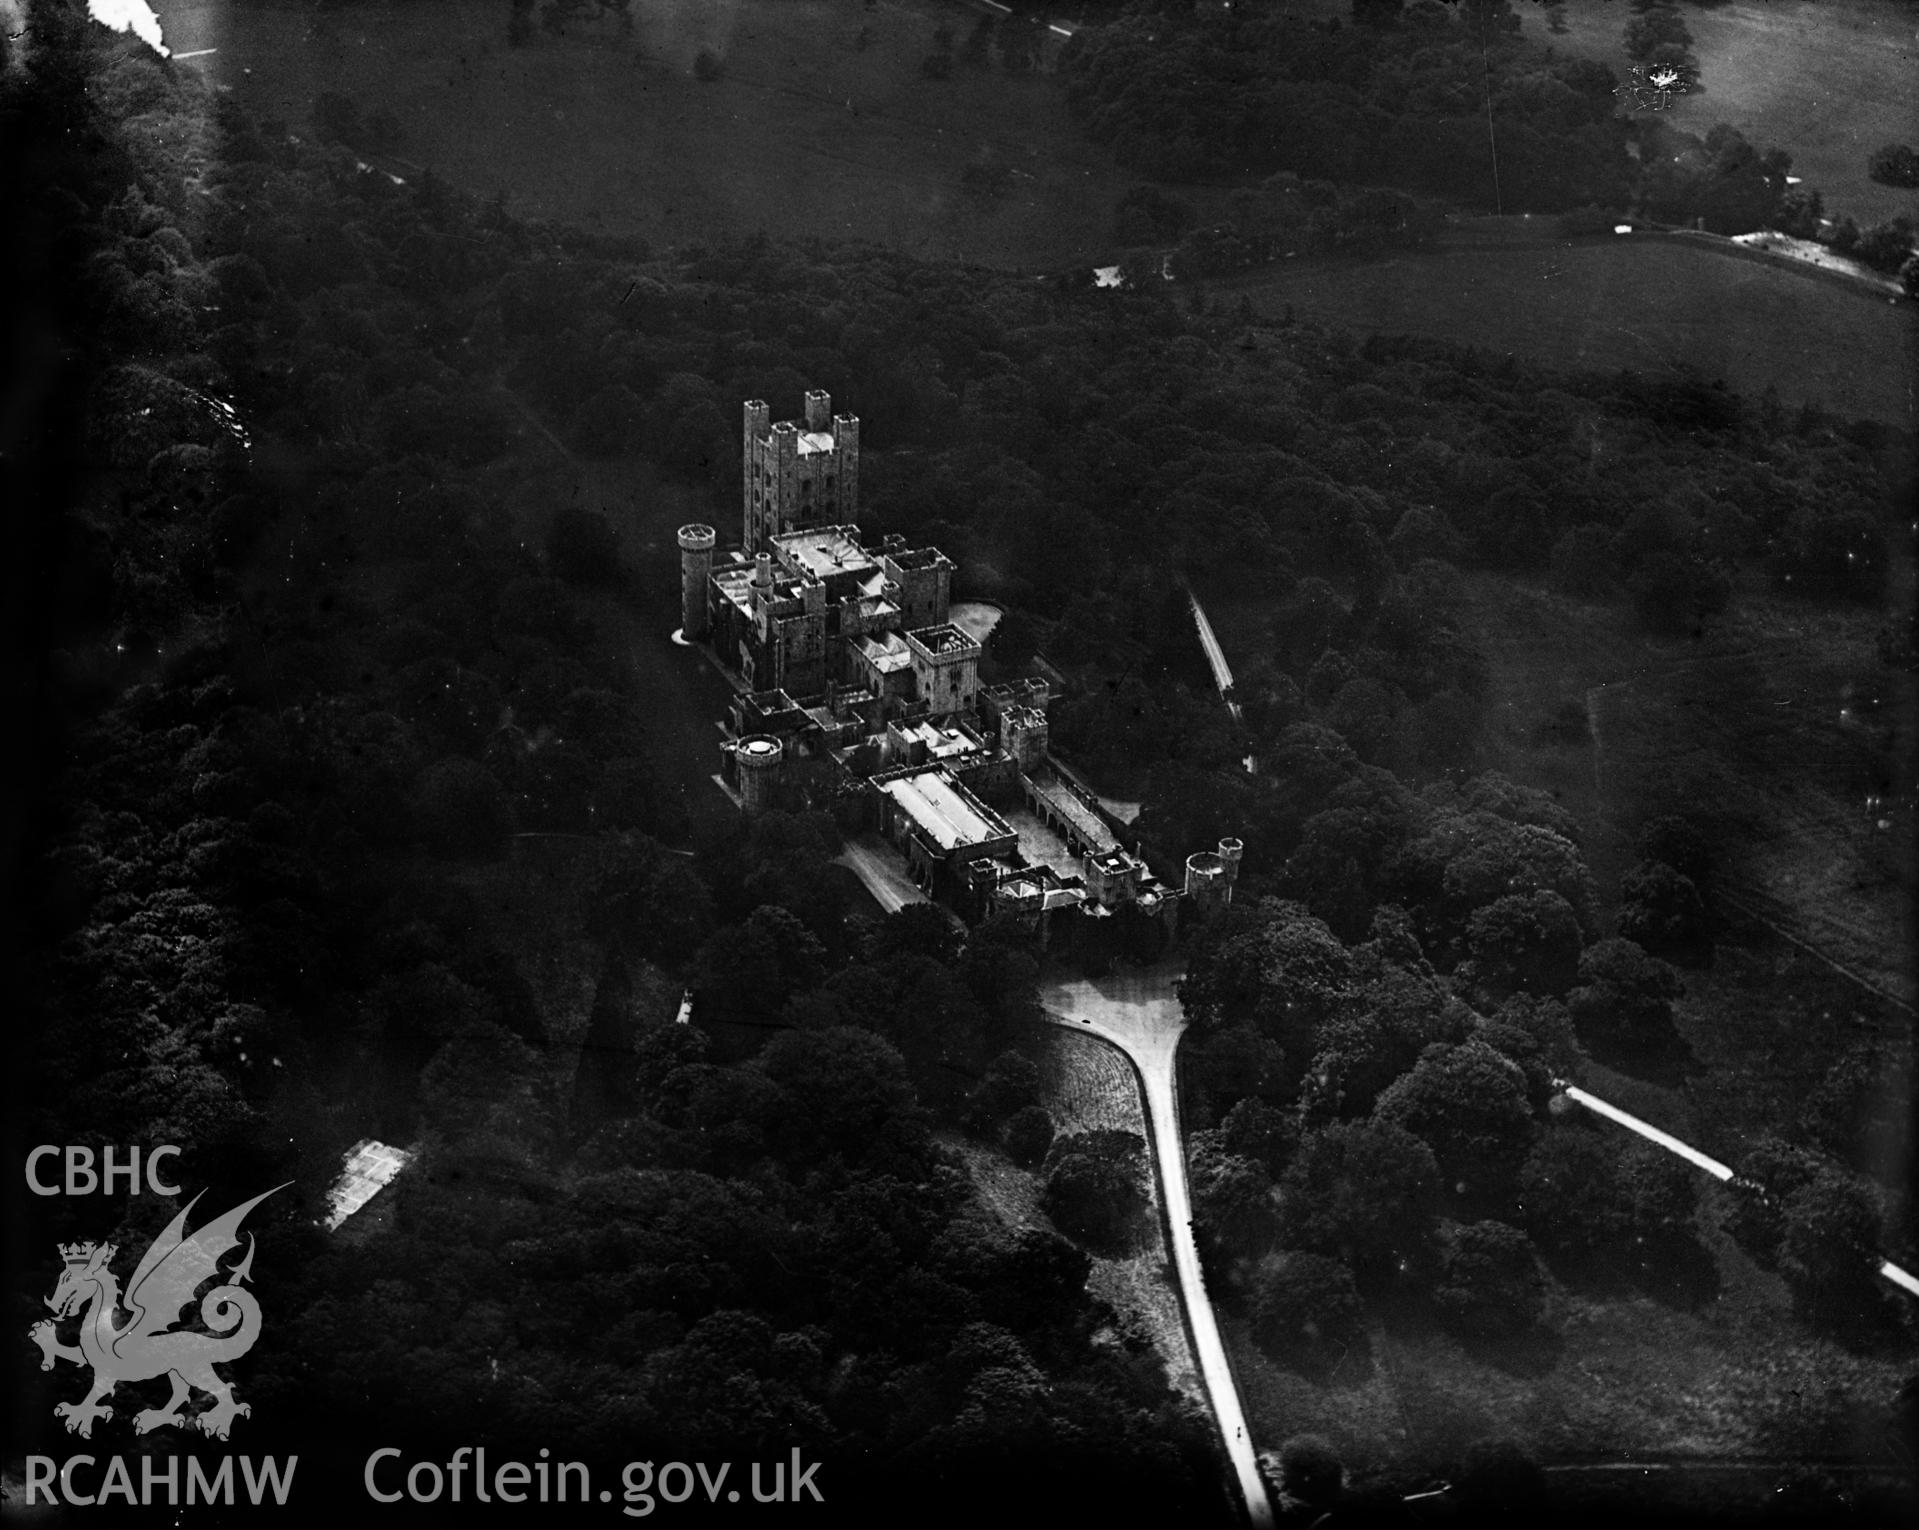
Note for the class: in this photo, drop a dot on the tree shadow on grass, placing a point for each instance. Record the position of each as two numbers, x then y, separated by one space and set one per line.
1676 1272
1340 1364
1666 1059
1861 1316
1533 1351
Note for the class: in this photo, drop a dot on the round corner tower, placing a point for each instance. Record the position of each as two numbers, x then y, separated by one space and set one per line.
1207 887
758 760
1230 850
696 567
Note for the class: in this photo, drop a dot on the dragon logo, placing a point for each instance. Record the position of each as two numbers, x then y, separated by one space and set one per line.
150 1343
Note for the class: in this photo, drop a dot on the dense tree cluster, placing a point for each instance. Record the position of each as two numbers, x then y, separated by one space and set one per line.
1894 164
1186 93
1379 1133
331 664
335 658
1386 1139
1286 216
1444 102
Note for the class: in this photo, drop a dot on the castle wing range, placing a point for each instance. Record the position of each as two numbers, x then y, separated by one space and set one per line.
856 691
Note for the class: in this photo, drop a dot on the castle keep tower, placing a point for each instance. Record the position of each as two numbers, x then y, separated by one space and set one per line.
797 474
696 567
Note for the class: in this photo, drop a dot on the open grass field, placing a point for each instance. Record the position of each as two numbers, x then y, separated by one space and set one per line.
1828 81
1653 305
806 134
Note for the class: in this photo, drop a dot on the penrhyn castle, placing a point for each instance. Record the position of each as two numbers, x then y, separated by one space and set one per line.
857 690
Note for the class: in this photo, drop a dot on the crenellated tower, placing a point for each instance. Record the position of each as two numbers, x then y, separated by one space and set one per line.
797 474
696 568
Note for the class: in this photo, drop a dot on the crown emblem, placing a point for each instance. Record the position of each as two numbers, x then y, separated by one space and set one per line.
76 1253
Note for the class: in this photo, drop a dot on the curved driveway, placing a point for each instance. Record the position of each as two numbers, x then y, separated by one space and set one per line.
1138 1012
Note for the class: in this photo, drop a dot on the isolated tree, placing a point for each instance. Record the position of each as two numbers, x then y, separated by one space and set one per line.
1660 908
843 1091
1524 942
1489 1282
1028 1135
1362 1191
1550 1026
749 971
1656 28
1468 1104
1010 1084
1257 1130
1680 844
1584 1195
1279 969
1306 1313
1829 1251
1311 1475
1769 1175
1660 1194
1234 1205
1095 1186
1894 164
1569 1192
1625 993
1886 246
1800 212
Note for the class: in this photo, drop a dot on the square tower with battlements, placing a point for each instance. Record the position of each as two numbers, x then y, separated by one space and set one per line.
798 474
945 663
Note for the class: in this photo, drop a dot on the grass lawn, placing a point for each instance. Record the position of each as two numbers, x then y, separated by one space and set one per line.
807 134
1749 722
1735 1375
1745 731
1599 305
1828 81
1769 728
1087 1086
1090 1087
